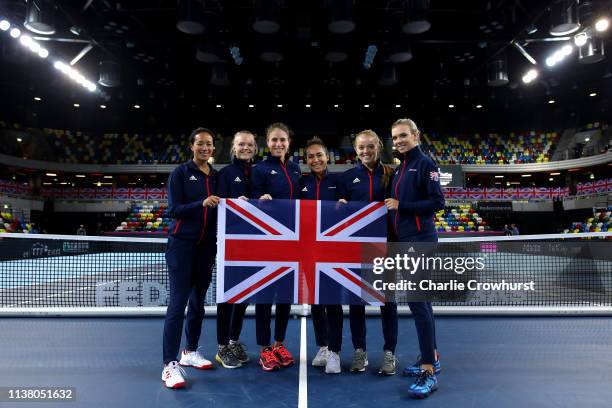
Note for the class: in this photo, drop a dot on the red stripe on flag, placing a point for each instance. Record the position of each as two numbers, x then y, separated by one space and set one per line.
259 284
252 218
372 292
354 220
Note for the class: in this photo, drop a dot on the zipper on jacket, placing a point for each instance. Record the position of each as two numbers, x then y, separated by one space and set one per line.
205 211
370 176
418 223
176 227
399 179
318 183
283 165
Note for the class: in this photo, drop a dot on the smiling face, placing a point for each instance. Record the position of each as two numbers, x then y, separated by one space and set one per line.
278 143
367 149
404 139
316 159
203 147
244 146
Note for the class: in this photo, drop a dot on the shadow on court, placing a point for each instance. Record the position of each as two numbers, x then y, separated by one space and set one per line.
501 362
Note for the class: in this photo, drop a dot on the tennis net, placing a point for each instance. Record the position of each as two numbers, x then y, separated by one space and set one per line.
47 272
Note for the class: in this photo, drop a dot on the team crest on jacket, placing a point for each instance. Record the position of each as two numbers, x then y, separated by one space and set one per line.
193 178
434 175
237 179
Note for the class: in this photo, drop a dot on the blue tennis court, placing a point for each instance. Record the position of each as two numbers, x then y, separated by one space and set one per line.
502 362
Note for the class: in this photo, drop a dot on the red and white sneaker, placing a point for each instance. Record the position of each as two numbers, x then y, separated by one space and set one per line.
195 359
283 355
173 375
268 360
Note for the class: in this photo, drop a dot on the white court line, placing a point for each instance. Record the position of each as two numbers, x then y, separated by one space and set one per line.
303 387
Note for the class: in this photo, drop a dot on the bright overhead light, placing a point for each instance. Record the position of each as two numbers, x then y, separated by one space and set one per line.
37 98
398 106
218 106
51 174
551 101
102 106
567 49
478 106
34 47
499 176
15 32
19 139
551 179
307 105
251 106
525 175
76 105
108 177
602 24
43 53
530 76
4 25
336 105
279 105
80 176
555 174
25 40
136 106
593 94
586 139
580 39
366 106
451 106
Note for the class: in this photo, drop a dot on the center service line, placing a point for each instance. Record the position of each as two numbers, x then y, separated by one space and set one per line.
303 387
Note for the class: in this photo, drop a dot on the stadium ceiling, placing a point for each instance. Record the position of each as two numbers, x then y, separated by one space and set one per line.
296 51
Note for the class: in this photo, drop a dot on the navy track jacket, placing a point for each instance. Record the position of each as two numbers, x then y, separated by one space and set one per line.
235 179
416 185
361 184
188 187
280 180
311 188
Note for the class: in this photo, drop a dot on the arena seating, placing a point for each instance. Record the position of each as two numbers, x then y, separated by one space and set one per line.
513 148
146 218
600 222
460 219
8 223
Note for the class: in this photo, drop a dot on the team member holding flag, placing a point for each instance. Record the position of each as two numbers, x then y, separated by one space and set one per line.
277 177
234 182
369 181
415 196
190 255
326 319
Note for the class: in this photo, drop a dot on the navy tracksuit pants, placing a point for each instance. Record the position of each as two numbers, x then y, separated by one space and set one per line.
190 270
229 321
327 322
357 318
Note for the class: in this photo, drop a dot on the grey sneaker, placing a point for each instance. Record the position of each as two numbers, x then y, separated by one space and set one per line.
388 364
320 359
239 351
226 358
333 363
360 361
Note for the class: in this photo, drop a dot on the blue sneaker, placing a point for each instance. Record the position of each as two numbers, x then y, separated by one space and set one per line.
424 385
415 369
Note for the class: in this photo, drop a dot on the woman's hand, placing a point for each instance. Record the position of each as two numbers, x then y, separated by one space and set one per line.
343 201
243 198
391 203
211 201
265 197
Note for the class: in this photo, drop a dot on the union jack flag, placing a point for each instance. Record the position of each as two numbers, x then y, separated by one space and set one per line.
298 251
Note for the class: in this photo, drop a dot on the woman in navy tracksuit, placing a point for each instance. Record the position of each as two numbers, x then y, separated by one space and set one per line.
369 181
277 177
234 182
190 255
415 197
326 319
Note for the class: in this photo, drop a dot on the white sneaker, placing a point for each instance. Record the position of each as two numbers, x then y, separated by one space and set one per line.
173 375
195 359
333 363
320 359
